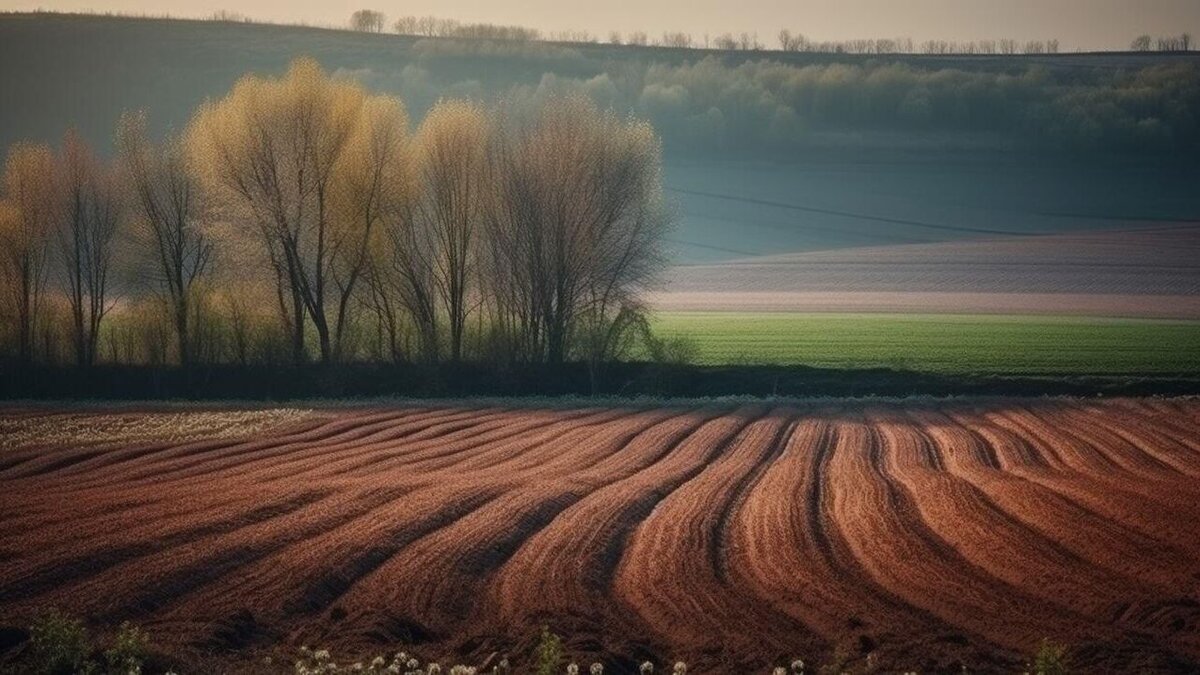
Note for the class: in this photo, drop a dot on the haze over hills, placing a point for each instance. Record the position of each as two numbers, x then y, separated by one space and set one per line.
765 152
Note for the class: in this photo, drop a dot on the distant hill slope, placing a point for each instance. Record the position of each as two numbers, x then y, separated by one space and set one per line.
765 152
58 70
1151 272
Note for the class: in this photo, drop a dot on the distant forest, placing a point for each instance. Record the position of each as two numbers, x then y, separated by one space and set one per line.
376 21
714 103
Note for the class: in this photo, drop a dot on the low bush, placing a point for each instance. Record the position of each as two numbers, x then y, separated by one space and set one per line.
1050 659
59 645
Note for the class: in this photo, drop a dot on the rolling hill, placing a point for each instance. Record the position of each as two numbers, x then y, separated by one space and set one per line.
1148 272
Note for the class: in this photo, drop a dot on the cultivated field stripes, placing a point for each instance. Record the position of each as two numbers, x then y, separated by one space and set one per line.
928 533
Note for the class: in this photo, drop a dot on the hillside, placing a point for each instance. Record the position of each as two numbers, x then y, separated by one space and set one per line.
765 152
1150 272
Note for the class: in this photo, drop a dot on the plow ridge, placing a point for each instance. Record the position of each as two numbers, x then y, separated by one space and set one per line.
931 534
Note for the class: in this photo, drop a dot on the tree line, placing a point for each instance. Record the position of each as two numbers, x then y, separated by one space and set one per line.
1167 43
297 218
373 21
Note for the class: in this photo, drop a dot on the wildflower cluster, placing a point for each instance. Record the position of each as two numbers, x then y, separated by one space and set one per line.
797 668
320 662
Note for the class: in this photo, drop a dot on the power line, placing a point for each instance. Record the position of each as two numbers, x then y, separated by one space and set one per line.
711 247
844 214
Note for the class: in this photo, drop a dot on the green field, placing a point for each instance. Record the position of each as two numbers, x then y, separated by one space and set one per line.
941 343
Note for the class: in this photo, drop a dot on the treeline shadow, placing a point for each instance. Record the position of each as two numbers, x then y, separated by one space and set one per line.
623 379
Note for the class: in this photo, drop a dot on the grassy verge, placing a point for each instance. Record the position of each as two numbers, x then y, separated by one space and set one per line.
940 343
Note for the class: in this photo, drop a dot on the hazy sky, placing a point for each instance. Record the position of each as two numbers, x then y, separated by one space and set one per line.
1085 24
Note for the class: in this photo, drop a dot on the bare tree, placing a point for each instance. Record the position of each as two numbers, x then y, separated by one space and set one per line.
275 154
405 278
92 209
169 226
725 41
27 225
451 165
1140 43
677 40
575 228
367 21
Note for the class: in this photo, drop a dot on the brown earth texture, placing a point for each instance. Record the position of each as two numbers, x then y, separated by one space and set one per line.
929 534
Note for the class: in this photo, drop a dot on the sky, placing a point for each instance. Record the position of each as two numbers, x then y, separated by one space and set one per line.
1077 24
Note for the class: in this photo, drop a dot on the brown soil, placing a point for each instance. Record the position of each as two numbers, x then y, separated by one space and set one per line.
932 535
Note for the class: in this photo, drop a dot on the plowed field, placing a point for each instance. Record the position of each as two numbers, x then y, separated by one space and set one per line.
931 534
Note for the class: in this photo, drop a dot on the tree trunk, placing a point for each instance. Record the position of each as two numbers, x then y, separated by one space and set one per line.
323 338
181 334
298 355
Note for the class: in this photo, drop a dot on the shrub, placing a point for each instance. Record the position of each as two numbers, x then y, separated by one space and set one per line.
1050 659
128 650
549 653
59 645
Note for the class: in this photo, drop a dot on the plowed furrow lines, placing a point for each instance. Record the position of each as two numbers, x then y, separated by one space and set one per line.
932 534
984 540
785 554
1134 503
1092 510
580 561
186 467
434 455
16 586
668 575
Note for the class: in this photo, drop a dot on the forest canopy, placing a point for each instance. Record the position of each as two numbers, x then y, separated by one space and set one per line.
708 103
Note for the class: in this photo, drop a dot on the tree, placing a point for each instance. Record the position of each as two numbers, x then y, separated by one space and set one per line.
451 165
92 209
274 153
575 228
373 187
27 224
169 222
367 21
677 40
1140 43
406 25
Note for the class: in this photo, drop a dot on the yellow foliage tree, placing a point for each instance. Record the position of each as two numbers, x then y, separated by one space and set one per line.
25 231
277 155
